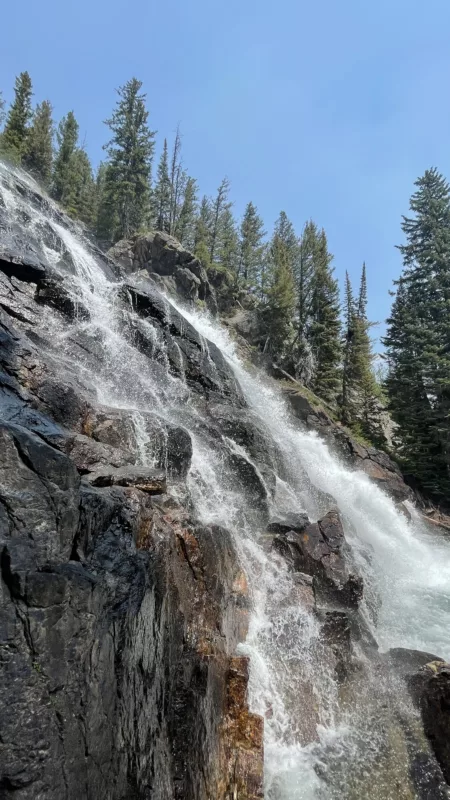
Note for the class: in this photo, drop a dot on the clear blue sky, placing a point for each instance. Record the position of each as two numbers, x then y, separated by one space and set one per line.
327 110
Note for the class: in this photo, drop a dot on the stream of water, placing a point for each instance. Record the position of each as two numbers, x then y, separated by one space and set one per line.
408 568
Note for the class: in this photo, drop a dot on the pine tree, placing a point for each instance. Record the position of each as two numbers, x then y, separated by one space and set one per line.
306 260
361 406
347 371
107 220
163 190
130 154
219 205
418 337
277 311
38 149
305 267
177 179
185 224
325 328
203 227
362 300
228 247
17 122
285 232
251 246
79 195
67 137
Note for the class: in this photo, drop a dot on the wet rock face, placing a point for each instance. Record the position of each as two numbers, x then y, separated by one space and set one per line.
51 292
430 687
242 738
201 362
119 621
375 463
120 615
168 263
320 550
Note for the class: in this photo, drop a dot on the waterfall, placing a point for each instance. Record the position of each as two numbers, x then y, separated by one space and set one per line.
403 565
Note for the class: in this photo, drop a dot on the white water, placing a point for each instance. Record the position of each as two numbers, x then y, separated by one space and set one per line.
404 565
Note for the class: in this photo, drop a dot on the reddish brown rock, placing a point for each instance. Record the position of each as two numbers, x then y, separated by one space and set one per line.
243 749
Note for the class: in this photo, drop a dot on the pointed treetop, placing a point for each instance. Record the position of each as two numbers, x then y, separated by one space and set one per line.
362 300
38 148
19 115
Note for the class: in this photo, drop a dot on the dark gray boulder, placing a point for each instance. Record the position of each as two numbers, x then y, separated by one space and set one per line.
160 254
143 478
203 365
430 688
320 550
52 292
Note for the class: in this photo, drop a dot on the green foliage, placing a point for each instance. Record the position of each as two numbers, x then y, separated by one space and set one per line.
228 248
202 237
178 180
163 191
107 217
252 235
186 221
305 267
79 195
325 327
418 337
38 149
16 129
362 299
278 309
218 207
130 154
67 137
361 405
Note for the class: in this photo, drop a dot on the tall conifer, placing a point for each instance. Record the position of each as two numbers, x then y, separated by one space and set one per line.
19 115
79 195
177 181
203 228
228 247
324 332
130 153
67 138
277 312
163 192
418 337
38 149
218 206
185 224
251 246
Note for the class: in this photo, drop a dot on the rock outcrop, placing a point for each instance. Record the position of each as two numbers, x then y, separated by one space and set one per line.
319 549
168 264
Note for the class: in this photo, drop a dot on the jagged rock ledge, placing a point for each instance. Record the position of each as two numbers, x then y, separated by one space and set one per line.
168 264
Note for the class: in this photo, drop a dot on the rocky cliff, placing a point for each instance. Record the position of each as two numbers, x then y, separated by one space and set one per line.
121 611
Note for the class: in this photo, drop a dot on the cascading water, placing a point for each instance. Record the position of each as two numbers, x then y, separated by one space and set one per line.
317 745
